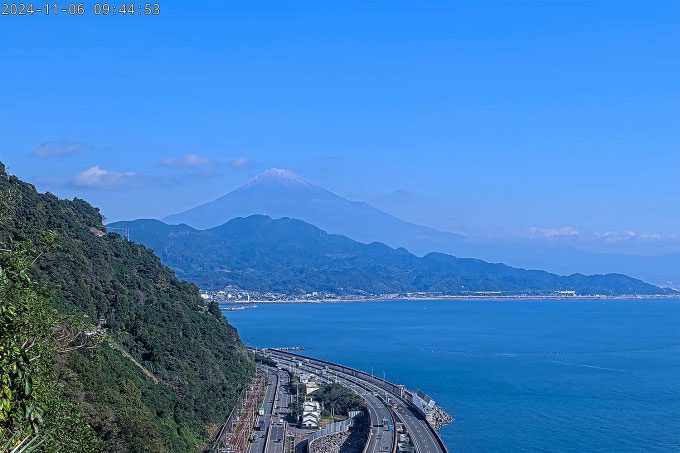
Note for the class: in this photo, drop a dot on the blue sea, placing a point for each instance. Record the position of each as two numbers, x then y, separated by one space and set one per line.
586 375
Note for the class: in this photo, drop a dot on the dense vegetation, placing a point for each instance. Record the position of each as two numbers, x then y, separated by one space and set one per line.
34 411
337 399
133 359
292 257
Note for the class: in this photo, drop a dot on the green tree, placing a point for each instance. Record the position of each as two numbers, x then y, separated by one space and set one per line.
165 365
19 348
33 412
338 399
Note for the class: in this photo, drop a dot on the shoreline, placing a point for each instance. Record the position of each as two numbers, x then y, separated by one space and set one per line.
453 298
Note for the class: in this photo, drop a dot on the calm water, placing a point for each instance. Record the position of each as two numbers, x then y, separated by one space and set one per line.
518 376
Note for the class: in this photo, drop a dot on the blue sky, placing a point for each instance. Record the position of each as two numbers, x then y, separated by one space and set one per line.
499 118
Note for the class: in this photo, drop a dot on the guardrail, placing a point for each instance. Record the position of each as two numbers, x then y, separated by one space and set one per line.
333 428
382 383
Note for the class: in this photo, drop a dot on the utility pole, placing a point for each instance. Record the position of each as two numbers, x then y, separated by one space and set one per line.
384 384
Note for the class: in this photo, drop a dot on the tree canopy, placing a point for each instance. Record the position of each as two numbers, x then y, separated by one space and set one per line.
137 360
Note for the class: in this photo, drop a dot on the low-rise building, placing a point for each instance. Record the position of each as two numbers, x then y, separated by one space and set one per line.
310 387
309 383
423 402
311 414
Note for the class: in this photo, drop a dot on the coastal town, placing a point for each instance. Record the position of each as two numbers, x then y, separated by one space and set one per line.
232 295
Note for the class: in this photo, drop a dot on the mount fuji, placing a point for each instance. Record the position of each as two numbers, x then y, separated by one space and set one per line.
281 193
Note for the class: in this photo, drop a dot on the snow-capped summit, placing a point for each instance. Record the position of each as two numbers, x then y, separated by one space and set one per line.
277 176
281 193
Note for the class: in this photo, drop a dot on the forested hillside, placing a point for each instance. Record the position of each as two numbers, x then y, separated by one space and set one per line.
290 256
148 364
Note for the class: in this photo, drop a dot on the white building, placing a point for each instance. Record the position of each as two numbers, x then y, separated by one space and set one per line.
310 387
311 414
309 383
423 402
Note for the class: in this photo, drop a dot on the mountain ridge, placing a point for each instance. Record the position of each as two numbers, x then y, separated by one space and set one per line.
292 256
281 193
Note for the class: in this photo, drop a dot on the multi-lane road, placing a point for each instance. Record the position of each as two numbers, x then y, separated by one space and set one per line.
425 439
260 436
271 438
380 440
277 431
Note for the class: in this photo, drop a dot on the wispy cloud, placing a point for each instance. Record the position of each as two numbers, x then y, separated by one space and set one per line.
623 236
61 149
100 178
553 233
187 160
197 162
240 162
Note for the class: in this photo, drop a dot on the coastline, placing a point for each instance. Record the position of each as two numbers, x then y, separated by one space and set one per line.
456 298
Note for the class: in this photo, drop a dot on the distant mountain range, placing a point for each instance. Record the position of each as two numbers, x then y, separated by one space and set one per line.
663 270
291 256
280 193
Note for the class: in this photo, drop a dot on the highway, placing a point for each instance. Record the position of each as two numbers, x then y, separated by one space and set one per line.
260 442
380 440
424 437
277 427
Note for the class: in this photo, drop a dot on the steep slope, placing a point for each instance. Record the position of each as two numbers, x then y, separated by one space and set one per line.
291 256
166 364
280 193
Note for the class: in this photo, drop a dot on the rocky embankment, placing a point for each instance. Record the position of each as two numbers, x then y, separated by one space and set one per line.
352 441
440 418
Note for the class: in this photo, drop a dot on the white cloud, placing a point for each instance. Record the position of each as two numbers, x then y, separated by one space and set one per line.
553 233
62 149
187 160
99 178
